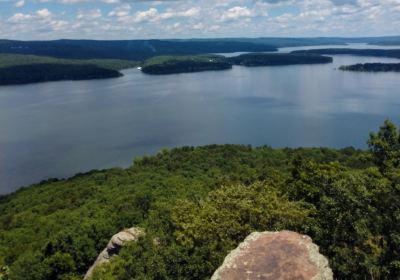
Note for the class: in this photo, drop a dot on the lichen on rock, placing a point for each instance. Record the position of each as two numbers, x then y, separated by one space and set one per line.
275 256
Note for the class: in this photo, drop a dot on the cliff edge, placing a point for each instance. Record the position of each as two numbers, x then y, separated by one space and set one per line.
275 256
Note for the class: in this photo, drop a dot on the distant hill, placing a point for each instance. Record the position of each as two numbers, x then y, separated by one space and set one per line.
281 42
395 53
23 69
129 50
7 60
144 49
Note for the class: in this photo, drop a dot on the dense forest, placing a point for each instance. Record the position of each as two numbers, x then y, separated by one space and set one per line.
184 64
127 50
7 60
34 73
394 53
201 202
23 69
143 49
262 59
372 67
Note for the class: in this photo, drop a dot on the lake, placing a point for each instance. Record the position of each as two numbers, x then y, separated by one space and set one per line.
60 128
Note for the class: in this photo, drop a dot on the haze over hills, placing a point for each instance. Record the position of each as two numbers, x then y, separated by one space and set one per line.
142 49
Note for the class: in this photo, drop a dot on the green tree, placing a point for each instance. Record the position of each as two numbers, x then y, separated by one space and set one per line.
385 147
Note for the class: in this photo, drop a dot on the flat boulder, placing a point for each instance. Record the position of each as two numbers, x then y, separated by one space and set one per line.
114 246
275 256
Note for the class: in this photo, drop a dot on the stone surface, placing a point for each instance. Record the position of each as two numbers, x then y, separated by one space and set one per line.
275 256
114 246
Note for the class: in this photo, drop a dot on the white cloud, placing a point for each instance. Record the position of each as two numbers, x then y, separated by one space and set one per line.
43 13
129 19
20 4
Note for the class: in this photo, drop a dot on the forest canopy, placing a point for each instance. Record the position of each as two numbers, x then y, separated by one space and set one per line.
34 73
186 64
200 202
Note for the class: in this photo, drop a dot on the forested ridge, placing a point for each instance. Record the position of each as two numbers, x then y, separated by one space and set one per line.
127 49
394 53
18 69
144 49
35 73
201 202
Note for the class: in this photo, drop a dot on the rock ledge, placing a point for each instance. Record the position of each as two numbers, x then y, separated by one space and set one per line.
114 246
275 256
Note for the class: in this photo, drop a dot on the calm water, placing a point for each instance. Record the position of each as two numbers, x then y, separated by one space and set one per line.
61 128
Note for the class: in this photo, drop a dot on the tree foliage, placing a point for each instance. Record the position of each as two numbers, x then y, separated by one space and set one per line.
196 204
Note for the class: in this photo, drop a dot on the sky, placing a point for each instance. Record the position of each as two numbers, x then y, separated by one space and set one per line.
145 19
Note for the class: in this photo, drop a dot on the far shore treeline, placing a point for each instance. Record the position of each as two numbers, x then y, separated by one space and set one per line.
22 69
23 62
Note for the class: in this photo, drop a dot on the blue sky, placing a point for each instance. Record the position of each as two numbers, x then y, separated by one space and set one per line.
129 19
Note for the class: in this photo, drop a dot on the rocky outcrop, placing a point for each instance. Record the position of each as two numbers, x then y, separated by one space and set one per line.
114 246
275 256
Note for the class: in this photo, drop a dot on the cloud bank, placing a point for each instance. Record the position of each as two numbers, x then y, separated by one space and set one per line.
130 19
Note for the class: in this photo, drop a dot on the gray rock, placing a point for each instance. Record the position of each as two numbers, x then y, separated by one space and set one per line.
275 256
114 246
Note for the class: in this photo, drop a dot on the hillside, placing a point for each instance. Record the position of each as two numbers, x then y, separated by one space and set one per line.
36 73
128 49
18 69
143 49
200 203
7 60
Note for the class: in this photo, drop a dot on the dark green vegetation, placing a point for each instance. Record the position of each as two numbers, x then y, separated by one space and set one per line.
143 49
7 60
185 64
201 202
395 53
117 55
261 59
23 69
35 73
372 67
128 50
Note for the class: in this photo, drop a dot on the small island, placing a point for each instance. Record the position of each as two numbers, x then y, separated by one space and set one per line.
372 67
185 64
265 59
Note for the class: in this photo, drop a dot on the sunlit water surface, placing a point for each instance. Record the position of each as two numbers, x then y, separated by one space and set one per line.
58 129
